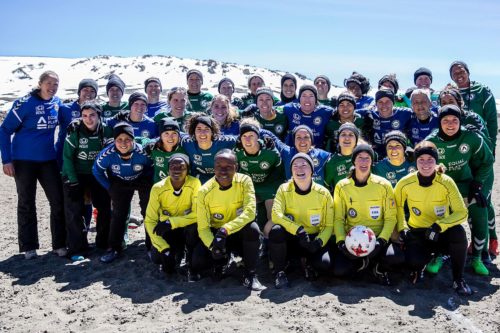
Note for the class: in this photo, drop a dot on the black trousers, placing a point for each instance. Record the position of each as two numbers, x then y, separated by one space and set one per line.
244 242
452 242
26 177
75 211
284 246
121 193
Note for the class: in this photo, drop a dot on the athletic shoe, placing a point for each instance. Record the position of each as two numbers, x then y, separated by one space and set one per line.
31 254
462 288
77 257
493 247
110 256
478 267
251 281
434 266
281 281
381 277
61 252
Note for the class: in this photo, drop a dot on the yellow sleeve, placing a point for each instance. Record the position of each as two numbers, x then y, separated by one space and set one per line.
389 212
339 213
327 231
459 211
278 212
249 208
190 218
151 220
400 196
203 216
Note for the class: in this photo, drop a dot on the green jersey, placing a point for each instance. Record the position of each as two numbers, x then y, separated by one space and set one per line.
199 102
331 102
392 172
249 99
181 120
332 130
336 169
473 121
81 148
278 126
110 111
160 161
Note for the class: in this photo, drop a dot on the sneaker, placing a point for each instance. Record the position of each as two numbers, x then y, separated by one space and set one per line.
478 267
493 247
381 277
61 252
281 281
251 281
110 256
31 254
434 266
462 288
77 257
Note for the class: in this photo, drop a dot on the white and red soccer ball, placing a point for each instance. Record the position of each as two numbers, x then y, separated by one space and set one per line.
360 241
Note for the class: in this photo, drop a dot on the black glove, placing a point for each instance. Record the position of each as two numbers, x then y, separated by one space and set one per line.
475 192
238 145
249 111
218 246
268 142
122 115
74 191
315 245
73 126
303 236
379 245
162 228
409 154
402 236
432 233
345 251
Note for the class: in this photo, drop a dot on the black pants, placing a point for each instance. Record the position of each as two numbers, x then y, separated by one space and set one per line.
244 242
284 246
121 193
452 242
26 177
75 211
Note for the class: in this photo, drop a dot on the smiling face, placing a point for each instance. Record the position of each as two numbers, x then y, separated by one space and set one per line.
345 111
423 81
421 106
426 165
203 134
226 89
153 90
115 95
385 107
137 110
90 118
255 83
301 171
169 140
307 101
225 168
450 125
347 140
303 141
86 94
288 89
460 76
124 143
177 170
363 163
194 83
49 86
178 104
220 110
265 105
448 99
250 141
395 152
322 87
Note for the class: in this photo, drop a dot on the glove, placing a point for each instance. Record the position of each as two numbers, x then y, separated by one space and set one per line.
345 251
315 245
379 245
268 142
409 154
162 228
238 145
73 126
122 115
74 191
303 236
433 232
249 111
475 192
402 236
218 246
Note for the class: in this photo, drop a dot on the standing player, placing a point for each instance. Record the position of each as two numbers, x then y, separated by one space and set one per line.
153 88
423 120
198 100
225 114
288 92
359 86
323 84
115 88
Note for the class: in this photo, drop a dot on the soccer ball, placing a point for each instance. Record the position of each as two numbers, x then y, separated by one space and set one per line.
360 241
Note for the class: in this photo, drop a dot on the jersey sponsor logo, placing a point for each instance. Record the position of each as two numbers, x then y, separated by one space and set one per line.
203 103
296 117
244 165
218 216
42 123
464 148
395 124
159 160
315 219
145 134
471 96
376 122
165 212
375 212
82 155
315 162
390 175
83 141
264 165
364 106
439 211
39 110
75 114
352 212
278 129
56 108
317 121
108 114
416 211
441 152
415 131
197 157
115 168
341 168
137 167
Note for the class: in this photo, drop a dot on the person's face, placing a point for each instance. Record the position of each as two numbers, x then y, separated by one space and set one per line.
322 87
307 101
220 110
124 143
448 99
303 141
90 118
226 89
384 107
355 89
363 162
194 83
346 110
301 170
115 94
153 90
137 109
347 139
202 133
450 125
255 83
87 94
421 106
460 76
169 139
395 150
426 164
388 85
265 104
178 103
49 86
288 89
423 81
224 169
250 140
177 170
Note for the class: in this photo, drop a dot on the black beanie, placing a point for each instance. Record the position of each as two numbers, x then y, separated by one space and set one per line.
351 127
264 90
194 71
396 136
324 77
136 96
244 128
360 80
92 105
115 81
304 156
152 79
311 88
461 63
384 92
288 76
362 148
226 79
205 120
304 127
422 71
87 83
391 79
168 124
346 97
450 110
419 151
123 127
452 92
181 156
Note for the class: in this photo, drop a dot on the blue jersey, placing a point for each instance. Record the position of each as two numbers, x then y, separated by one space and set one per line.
316 121
109 164
33 122
67 113
201 160
420 130
155 108
146 128
400 120
391 172
281 103
364 102
232 129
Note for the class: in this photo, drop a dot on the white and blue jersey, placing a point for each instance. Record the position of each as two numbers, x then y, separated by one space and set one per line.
420 130
400 120
364 102
33 122
155 108
109 165
146 128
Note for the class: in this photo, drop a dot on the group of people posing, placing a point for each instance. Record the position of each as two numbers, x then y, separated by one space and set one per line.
285 179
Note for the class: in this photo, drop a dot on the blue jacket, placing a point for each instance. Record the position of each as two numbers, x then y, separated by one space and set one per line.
146 128
400 120
419 131
155 108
